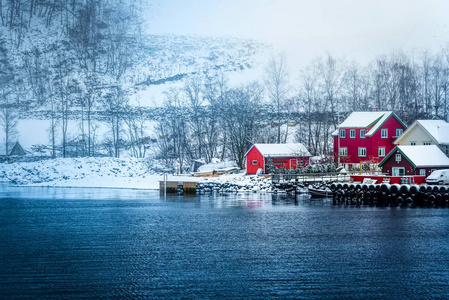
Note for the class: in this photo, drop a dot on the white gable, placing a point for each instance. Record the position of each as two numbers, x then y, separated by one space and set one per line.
425 156
282 150
438 129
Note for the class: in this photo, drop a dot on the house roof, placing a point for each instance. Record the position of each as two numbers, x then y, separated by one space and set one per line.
366 119
281 150
10 148
421 156
438 130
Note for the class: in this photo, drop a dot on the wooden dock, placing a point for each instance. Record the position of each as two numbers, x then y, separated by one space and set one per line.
172 187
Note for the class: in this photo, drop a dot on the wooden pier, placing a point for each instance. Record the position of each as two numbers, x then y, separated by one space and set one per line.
176 187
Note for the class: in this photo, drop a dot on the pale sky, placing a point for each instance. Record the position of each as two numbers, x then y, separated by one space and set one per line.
353 29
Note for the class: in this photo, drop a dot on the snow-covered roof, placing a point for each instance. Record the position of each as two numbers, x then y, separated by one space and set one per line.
438 129
422 156
365 119
282 150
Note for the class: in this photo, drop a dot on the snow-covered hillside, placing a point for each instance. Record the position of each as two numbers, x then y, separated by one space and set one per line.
82 172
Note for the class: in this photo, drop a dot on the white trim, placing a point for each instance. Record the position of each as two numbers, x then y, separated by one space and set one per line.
398 173
361 149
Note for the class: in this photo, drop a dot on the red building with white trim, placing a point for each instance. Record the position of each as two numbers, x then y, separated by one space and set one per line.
366 137
414 160
290 156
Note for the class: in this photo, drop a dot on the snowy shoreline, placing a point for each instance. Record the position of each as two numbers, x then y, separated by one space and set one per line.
112 173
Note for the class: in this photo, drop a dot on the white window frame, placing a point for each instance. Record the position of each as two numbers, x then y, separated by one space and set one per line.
422 172
398 169
399 132
342 133
255 162
352 133
412 143
384 133
362 151
343 151
427 143
362 133
381 153
398 157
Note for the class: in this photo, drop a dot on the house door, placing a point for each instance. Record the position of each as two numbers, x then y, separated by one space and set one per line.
398 171
293 163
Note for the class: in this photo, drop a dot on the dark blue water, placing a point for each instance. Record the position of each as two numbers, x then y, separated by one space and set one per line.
91 243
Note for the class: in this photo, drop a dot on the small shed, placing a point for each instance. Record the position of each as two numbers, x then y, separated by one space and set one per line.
414 160
290 156
13 149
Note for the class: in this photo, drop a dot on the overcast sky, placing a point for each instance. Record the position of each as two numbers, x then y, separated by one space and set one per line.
354 29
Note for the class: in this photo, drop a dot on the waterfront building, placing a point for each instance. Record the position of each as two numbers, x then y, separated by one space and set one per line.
366 137
290 156
414 160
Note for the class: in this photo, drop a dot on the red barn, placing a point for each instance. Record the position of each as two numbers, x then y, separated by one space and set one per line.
366 137
414 160
290 156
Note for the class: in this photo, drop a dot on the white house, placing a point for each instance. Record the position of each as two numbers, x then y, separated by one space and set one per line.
426 132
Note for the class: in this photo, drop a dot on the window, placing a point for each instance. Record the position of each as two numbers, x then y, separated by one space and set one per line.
254 162
342 133
362 133
352 133
362 152
422 172
412 143
343 151
426 143
384 133
399 132
398 157
381 151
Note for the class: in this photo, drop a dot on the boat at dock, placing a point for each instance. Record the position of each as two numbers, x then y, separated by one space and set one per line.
319 192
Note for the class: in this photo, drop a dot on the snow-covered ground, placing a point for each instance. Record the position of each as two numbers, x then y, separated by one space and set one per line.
106 172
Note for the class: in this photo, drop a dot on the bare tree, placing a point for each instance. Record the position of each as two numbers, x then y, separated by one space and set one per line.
242 115
276 82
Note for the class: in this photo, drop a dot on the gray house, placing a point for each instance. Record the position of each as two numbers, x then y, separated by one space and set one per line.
14 150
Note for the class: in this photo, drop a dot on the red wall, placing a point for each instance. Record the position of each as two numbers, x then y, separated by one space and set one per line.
391 162
371 143
353 144
288 162
253 154
392 179
377 141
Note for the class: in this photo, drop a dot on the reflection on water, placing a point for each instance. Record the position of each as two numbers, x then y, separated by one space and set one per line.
135 244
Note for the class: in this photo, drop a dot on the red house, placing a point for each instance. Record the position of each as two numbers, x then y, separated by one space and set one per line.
366 137
414 160
290 156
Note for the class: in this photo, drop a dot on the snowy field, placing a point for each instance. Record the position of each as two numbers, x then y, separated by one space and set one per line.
106 172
